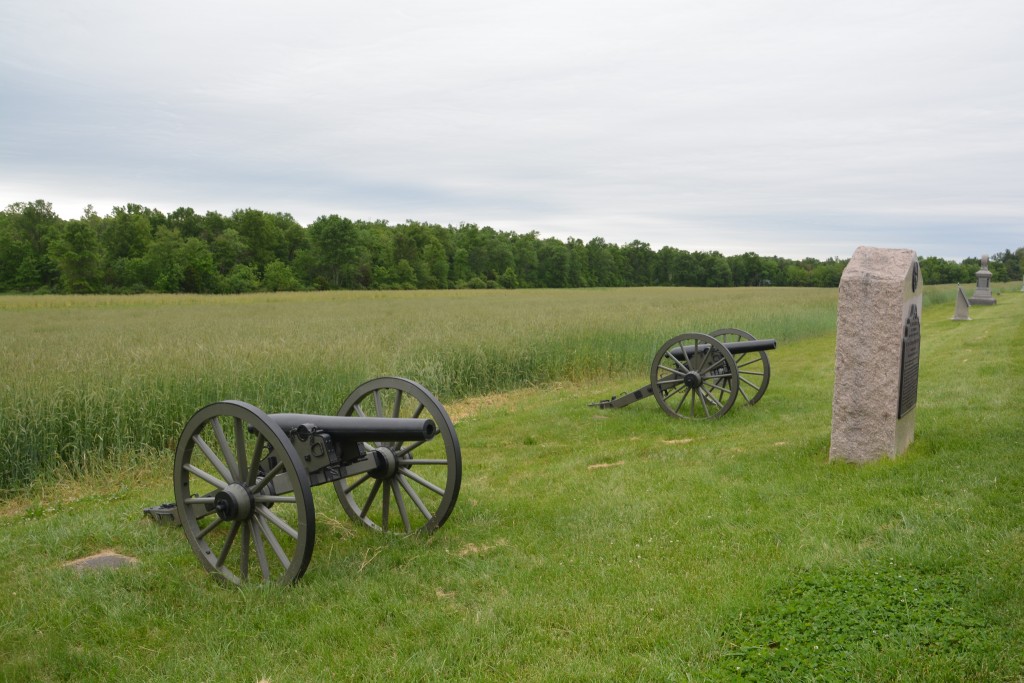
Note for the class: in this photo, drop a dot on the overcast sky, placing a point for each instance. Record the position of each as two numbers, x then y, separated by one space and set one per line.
791 127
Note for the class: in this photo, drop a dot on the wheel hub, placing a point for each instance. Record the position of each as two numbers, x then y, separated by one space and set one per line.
233 503
692 379
387 463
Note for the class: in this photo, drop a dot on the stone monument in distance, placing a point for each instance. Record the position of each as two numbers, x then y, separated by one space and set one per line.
983 292
962 308
878 343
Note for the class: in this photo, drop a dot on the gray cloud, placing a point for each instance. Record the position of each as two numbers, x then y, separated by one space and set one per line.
793 128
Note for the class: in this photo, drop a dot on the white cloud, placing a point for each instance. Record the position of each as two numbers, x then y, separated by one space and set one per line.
795 127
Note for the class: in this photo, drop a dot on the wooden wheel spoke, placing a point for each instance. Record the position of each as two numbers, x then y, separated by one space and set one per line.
748 382
378 403
268 533
225 449
401 453
257 457
369 499
209 527
397 408
205 476
227 544
261 553
687 392
401 507
269 477
704 403
675 389
221 468
243 559
707 396
414 497
265 512
349 488
243 468
421 481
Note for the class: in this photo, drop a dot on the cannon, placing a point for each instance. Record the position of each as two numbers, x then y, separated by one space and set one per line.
699 376
243 479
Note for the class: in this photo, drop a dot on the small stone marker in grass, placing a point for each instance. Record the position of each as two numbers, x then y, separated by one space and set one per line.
962 306
107 559
878 342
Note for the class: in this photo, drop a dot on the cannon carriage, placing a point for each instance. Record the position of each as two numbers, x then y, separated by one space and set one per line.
243 479
700 376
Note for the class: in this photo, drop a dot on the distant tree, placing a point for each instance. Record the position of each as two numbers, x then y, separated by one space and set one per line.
1005 266
278 277
716 269
552 259
640 263
797 276
576 272
508 279
187 222
829 273
26 229
199 274
172 264
435 265
294 236
262 233
76 250
689 269
128 231
242 278
229 249
749 269
136 248
938 271
460 270
662 274
404 275
332 253
524 251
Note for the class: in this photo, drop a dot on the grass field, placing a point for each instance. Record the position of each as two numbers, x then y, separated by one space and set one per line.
86 379
586 545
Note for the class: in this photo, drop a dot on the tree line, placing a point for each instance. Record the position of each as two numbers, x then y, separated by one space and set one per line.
136 249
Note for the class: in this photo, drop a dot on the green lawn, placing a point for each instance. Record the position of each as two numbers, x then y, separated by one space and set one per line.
586 545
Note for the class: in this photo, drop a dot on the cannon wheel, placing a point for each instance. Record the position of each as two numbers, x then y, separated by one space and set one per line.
231 466
694 384
754 369
420 491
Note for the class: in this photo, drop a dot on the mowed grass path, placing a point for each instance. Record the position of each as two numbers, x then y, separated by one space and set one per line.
591 545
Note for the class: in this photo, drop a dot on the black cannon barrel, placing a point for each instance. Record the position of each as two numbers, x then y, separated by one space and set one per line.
354 428
736 347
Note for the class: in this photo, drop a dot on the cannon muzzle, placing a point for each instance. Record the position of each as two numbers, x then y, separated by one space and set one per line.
352 429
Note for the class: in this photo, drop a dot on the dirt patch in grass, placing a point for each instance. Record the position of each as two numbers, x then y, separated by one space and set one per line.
474 549
602 465
105 559
470 407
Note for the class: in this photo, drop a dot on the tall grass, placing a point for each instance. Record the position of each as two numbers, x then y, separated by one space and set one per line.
84 378
589 545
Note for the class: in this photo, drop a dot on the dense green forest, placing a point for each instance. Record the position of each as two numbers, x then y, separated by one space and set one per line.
137 249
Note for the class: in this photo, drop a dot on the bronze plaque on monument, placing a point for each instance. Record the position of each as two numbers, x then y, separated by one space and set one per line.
909 362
